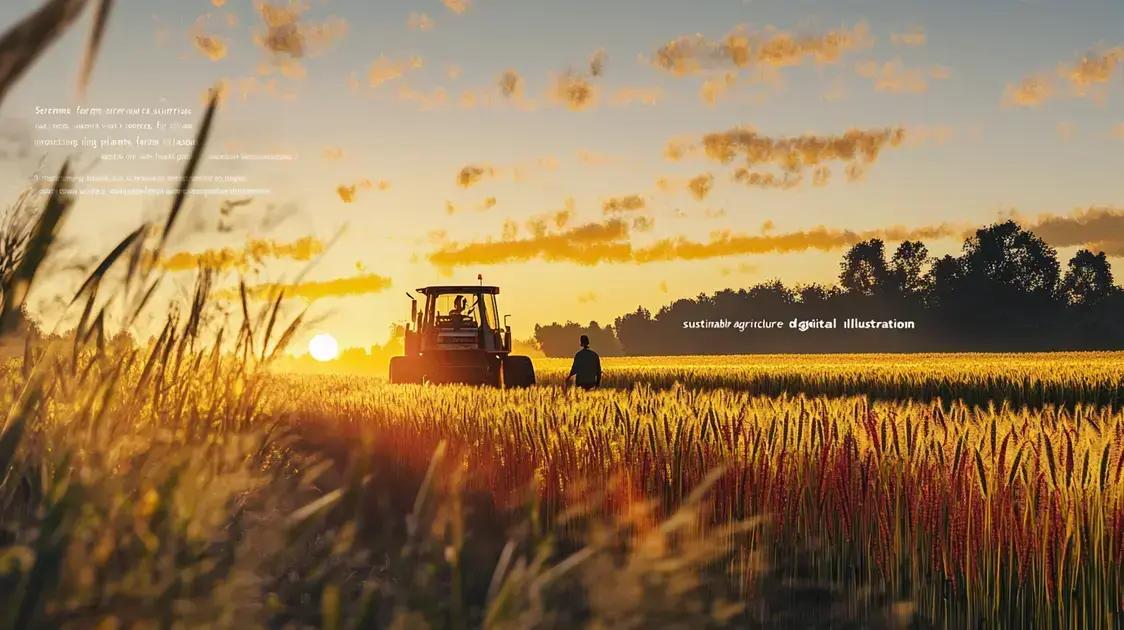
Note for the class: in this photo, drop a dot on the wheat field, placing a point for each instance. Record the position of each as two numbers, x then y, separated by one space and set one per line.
178 480
960 513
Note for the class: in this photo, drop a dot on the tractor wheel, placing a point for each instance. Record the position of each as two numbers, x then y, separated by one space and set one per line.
518 371
404 370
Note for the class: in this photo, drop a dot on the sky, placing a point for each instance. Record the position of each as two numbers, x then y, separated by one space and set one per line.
591 157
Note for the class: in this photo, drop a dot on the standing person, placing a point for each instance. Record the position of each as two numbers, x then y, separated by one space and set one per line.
586 370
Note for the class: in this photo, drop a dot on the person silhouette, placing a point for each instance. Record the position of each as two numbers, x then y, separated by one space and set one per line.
586 370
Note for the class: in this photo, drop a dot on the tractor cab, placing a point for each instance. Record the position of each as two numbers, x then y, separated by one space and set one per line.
459 318
458 336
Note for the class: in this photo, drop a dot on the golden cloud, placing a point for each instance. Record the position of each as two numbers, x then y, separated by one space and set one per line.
1030 92
855 150
511 84
1099 228
892 76
625 96
608 242
313 290
385 69
617 205
210 46
348 193
741 49
701 186
457 6
473 174
714 88
333 153
1095 69
253 252
287 35
587 244
574 91
767 180
722 244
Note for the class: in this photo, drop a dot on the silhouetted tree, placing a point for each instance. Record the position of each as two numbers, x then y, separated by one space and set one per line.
561 340
907 267
1002 293
1006 254
815 294
1088 279
863 270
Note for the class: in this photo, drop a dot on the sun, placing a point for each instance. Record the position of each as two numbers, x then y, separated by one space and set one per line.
323 347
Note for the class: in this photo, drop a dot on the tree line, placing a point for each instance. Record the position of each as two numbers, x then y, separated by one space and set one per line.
1005 291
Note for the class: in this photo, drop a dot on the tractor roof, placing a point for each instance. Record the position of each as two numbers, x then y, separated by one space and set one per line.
458 288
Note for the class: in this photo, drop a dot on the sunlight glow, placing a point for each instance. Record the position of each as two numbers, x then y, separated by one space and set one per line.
323 347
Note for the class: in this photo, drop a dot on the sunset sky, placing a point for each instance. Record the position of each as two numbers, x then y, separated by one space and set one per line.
592 156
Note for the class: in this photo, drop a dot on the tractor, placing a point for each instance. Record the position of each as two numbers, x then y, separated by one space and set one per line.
458 337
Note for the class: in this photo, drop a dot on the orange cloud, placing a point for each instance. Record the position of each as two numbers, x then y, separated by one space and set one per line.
1030 92
473 174
312 291
511 84
253 252
385 69
1094 68
287 35
210 46
1099 228
741 49
617 205
1085 76
636 95
587 244
701 186
714 88
574 91
457 6
609 242
348 193
892 76
855 150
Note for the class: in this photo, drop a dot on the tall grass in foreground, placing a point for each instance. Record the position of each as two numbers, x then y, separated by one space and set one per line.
1009 518
1031 379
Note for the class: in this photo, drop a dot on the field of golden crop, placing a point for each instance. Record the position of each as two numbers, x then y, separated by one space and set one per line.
1033 379
961 515
174 483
